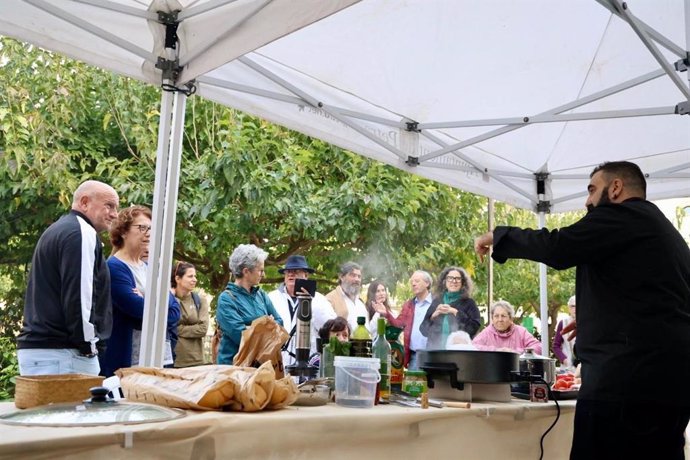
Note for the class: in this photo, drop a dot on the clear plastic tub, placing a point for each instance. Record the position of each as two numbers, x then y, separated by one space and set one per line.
355 381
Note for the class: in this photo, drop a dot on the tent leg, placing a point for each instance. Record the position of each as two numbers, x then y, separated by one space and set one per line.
687 31
490 293
163 231
543 297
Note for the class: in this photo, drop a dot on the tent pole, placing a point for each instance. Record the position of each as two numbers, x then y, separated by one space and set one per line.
480 168
163 223
319 105
543 296
687 32
146 357
560 109
490 293
642 34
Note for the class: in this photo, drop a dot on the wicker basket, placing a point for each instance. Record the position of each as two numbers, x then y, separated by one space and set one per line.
37 390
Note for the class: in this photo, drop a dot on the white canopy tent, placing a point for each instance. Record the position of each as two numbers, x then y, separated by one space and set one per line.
515 100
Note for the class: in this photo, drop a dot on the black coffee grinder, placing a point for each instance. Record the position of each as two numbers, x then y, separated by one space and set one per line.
301 371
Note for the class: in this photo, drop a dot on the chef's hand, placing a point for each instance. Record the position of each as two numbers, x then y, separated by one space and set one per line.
482 244
570 328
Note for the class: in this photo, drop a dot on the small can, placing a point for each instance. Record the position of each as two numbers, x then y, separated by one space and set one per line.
414 383
538 392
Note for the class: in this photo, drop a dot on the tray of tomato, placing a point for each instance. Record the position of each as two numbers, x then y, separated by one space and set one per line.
566 386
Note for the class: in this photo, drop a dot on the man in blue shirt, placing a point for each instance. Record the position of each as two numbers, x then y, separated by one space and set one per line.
412 315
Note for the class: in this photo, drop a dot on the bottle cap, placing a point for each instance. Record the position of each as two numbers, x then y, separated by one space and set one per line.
361 320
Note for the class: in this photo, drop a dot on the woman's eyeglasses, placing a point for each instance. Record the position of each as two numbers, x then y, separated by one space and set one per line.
143 228
454 279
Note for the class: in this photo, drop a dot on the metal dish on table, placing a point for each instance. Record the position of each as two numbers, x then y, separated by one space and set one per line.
315 392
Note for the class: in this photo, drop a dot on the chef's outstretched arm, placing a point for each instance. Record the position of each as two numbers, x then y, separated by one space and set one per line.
482 244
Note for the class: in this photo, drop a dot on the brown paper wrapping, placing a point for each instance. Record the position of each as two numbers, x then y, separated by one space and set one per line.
209 387
262 342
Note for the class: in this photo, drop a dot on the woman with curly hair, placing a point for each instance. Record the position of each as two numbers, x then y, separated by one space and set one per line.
451 310
130 235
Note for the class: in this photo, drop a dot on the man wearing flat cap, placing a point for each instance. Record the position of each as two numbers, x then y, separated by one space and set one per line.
285 302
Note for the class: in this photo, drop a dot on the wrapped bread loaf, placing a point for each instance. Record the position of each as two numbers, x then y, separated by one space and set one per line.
285 393
210 387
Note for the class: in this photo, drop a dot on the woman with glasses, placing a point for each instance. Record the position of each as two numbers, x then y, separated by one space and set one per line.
451 310
130 235
243 300
194 317
503 334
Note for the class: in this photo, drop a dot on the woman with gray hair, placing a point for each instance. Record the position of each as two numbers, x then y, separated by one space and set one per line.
452 309
503 334
243 300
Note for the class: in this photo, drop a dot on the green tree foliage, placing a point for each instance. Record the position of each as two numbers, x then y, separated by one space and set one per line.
243 180
517 281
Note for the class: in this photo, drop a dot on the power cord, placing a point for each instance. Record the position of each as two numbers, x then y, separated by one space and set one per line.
558 415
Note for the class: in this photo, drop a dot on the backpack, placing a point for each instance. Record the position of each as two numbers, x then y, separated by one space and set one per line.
197 301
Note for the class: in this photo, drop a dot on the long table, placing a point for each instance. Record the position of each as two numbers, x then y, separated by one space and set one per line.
486 430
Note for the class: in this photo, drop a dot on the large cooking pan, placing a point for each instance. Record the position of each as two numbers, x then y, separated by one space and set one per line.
469 366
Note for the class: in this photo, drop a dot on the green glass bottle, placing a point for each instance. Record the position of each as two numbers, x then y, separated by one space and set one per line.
397 356
382 351
361 340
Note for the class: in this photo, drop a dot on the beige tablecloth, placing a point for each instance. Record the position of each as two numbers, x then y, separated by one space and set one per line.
486 431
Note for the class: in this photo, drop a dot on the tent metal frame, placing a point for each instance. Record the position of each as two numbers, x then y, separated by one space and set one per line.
173 113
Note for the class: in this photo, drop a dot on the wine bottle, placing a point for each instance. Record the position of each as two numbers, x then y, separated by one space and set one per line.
361 340
382 351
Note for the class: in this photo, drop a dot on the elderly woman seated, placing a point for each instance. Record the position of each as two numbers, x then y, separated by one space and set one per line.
503 334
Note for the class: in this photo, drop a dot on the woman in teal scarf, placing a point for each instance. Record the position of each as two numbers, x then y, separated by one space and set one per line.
452 309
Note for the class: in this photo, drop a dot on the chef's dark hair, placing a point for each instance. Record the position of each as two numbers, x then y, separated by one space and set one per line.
628 172
467 285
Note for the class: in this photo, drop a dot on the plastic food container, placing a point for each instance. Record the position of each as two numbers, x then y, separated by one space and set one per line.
355 381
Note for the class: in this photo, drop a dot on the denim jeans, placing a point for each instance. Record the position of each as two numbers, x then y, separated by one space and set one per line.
43 361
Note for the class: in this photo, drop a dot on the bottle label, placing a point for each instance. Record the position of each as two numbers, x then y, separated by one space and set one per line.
415 386
397 359
360 348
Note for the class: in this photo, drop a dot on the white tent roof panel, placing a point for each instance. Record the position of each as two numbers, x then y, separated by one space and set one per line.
125 37
380 63
452 61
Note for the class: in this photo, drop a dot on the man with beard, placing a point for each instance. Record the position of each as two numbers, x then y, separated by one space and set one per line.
345 298
284 300
633 319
